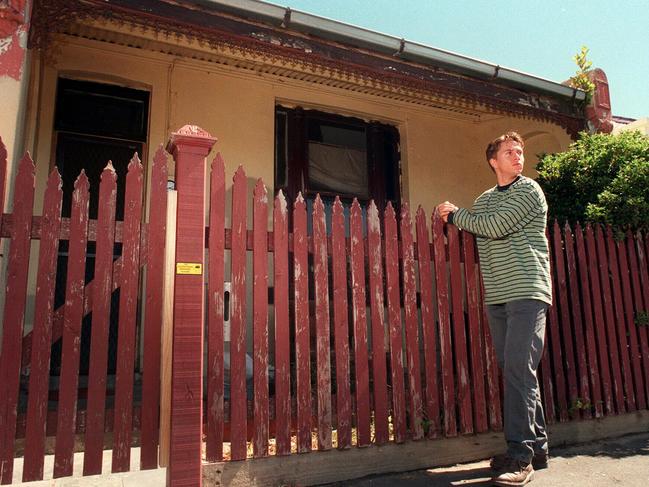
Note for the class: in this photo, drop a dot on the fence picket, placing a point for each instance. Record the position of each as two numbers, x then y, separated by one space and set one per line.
73 315
361 370
557 360
614 273
577 329
379 373
322 330
215 313
627 298
412 332
14 313
555 344
494 407
238 390
42 332
394 323
260 319
446 353
546 381
605 283
591 345
302 325
563 306
428 325
152 335
639 281
475 334
459 332
124 374
620 321
282 334
341 326
600 324
102 290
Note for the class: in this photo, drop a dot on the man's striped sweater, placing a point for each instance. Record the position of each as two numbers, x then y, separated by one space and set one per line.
509 223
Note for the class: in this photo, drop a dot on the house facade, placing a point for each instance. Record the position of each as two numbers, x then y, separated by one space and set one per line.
308 105
275 86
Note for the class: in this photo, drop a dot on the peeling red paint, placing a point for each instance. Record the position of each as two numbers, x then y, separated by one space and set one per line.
12 55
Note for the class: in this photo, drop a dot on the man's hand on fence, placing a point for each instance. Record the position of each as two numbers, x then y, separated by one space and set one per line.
443 209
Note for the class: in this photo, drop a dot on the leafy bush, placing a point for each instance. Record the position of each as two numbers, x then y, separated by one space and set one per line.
600 178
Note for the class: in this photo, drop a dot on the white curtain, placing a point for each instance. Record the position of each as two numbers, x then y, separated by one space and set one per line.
338 170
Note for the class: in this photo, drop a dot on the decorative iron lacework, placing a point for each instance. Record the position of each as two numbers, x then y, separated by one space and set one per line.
266 45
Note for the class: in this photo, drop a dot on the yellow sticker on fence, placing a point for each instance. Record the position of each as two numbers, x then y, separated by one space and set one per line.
194 268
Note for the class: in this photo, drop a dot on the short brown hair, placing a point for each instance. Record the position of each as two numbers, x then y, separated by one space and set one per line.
494 145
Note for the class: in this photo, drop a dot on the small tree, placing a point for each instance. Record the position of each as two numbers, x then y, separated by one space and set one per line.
580 79
601 178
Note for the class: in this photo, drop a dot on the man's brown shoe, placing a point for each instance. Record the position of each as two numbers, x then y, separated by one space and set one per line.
513 473
539 461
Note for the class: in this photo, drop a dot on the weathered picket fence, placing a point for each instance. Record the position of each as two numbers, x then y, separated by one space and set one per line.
374 327
25 390
382 337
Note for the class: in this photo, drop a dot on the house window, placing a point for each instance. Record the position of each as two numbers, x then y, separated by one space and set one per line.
317 152
95 123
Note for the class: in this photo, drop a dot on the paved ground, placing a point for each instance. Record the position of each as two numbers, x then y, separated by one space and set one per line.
619 462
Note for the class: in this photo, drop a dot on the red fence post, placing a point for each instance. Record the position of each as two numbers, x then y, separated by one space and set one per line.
189 147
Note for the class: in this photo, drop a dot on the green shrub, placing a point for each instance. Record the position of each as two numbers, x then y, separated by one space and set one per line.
601 178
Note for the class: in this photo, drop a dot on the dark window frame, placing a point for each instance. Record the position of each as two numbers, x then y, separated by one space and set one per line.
382 148
67 126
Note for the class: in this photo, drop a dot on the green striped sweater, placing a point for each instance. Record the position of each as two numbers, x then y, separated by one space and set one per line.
509 223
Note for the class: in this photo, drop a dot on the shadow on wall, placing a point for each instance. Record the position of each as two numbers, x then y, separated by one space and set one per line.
537 143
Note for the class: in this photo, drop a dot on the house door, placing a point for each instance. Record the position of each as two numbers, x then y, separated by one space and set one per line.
95 123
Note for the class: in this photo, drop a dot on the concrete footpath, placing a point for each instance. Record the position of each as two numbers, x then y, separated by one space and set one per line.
622 461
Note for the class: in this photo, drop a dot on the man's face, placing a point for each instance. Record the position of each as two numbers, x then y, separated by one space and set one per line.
509 161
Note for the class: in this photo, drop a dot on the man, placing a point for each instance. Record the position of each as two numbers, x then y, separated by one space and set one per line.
509 221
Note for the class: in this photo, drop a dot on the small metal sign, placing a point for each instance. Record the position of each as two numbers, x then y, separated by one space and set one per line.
192 268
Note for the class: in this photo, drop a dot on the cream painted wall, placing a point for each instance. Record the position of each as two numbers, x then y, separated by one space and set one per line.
12 100
89 60
447 159
442 152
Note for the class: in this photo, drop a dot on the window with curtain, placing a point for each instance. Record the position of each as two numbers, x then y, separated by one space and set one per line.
329 154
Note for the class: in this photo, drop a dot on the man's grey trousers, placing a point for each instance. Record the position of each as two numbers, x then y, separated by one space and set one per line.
518 331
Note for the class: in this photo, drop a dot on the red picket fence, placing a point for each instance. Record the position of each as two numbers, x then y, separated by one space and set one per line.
30 410
367 327
379 337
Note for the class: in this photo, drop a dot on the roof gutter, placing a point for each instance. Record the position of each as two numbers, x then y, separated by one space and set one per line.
403 49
